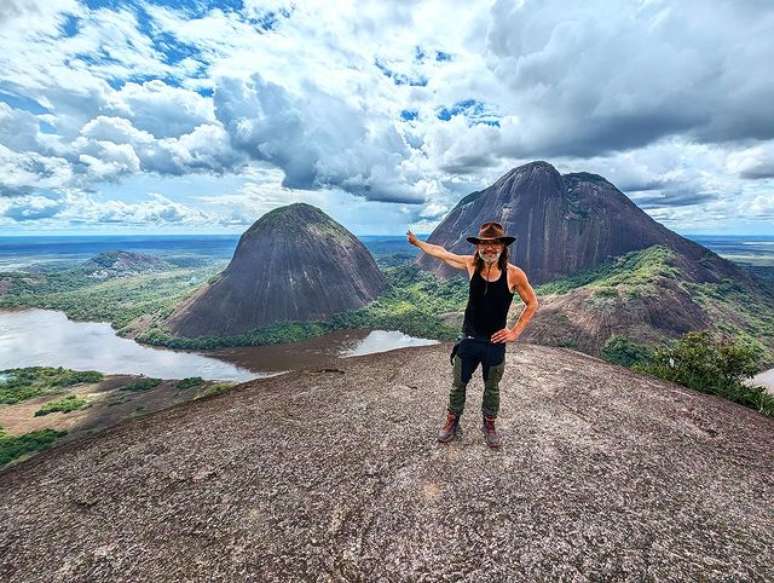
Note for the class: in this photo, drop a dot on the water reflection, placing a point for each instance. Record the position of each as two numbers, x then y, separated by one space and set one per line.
317 352
383 340
36 337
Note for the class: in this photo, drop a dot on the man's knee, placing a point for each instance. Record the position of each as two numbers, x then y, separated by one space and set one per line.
494 374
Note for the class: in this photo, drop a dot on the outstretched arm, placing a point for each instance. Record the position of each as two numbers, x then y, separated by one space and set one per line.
457 261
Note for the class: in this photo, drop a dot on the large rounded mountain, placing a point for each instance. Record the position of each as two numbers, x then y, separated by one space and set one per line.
295 263
563 223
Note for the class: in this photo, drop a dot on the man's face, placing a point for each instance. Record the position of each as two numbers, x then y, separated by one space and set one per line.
490 252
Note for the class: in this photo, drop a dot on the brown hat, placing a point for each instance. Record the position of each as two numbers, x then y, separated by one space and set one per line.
492 232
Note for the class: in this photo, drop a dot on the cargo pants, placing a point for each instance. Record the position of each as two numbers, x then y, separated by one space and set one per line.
467 354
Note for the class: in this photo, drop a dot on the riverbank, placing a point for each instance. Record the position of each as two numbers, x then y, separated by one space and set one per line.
765 378
45 407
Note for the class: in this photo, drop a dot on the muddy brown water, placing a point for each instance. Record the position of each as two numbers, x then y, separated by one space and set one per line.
319 352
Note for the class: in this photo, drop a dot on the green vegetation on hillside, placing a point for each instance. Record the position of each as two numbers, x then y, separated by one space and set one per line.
20 384
118 300
632 271
144 384
622 350
412 303
14 446
733 309
65 405
712 364
189 383
728 296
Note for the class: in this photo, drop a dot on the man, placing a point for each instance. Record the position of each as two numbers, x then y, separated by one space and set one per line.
493 282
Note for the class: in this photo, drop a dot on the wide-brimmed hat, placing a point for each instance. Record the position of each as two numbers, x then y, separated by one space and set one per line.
492 232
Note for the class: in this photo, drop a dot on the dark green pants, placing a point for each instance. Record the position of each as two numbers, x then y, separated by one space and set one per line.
470 353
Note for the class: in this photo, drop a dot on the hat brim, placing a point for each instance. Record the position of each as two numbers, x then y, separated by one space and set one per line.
506 239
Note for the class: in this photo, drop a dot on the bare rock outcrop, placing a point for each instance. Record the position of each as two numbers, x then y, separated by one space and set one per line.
295 263
336 475
563 224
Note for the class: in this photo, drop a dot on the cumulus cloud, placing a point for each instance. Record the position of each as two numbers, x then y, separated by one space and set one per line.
375 102
162 110
82 208
32 208
317 139
158 210
754 162
20 173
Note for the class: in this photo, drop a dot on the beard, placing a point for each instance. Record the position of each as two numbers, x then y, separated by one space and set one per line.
490 257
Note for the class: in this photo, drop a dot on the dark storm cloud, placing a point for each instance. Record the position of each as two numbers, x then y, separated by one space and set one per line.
586 80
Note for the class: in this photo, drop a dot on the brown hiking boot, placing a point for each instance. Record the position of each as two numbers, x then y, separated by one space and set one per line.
488 429
451 428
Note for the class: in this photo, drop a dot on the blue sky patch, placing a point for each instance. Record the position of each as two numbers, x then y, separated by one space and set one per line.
70 25
22 102
408 115
400 78
476 112
173 50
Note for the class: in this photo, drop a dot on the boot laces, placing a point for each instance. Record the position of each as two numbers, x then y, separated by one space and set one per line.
451 420
489 424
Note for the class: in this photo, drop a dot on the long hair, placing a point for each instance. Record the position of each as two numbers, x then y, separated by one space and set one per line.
502 261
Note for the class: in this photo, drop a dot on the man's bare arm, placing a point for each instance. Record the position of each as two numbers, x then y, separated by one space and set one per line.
528 296
456 261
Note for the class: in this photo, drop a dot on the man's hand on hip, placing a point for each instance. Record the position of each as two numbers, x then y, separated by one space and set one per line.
504 335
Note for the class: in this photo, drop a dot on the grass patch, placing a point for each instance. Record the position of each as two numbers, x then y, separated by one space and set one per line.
755 310
14 446
20 384
631 270
216 389
69 403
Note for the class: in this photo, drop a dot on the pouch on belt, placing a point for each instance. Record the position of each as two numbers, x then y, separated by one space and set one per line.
455 348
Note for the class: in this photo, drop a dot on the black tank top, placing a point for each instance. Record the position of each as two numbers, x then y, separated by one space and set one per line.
488 304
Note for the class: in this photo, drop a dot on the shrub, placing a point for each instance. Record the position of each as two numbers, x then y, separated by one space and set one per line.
142 384
189 382
13 446
215 390
716 366
72 377
20 384
620 350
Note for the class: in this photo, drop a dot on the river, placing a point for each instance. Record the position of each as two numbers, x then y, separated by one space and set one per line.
38 337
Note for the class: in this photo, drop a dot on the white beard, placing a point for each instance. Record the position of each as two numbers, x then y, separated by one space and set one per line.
492 260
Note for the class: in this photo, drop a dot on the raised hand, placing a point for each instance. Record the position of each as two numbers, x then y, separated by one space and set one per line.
412 238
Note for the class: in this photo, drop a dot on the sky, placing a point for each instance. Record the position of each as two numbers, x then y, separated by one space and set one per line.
153 116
